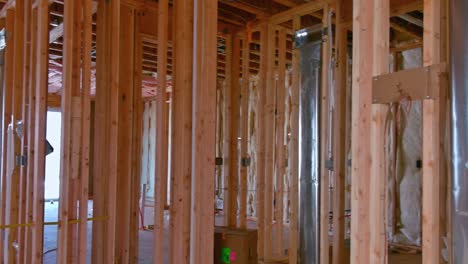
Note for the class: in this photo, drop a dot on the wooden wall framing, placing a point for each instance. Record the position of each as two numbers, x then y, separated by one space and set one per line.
120 29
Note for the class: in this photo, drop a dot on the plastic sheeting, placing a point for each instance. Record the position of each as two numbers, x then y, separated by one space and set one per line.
408 176
309 154
459 107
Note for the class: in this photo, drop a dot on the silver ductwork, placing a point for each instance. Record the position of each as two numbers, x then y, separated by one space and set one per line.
459 110
459 94
309 147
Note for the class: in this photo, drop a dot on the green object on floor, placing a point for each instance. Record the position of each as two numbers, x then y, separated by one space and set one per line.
226 255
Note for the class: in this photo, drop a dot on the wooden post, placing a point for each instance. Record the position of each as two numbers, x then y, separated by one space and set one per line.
433 141
24 138
65 232
204 127
137 146
114 45
162 126
227 93
269 139
324 178
107 139
260 151
245 93
339 137
233 176
100 115
363 31
124 196
85 126
182 133
378 174
280 128
41 90
294 151
31 135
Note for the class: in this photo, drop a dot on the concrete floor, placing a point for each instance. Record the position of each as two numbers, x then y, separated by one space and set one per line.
146 240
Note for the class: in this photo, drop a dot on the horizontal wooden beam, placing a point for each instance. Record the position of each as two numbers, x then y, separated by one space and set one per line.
246 7
300 10
414 84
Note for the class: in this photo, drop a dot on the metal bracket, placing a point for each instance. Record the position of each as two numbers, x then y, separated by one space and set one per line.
20 160
245 162
329 164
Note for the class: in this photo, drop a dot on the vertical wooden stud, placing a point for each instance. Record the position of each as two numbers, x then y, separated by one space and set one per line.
433 140
294 150
260 151
339 137
360 130
41 90
269 139
124 195
31 135
378 174
85 126
280 151
245 93
65 235
227 93
161 133
181 160
233 177
24 138
325 144
204 123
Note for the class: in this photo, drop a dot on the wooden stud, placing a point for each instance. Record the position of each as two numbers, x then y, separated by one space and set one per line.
24 138
294 150
125 134
233 176
161 133
107 145
31 135
100 138
324 178
204 124
85 126
339 148
269 140
67 210
433 129
360 130
280 145
378 174
181 160
260 151
245 94
227 109
113 89
138 107
40 128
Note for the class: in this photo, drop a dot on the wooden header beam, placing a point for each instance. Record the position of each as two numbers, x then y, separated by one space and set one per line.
299 10
414 84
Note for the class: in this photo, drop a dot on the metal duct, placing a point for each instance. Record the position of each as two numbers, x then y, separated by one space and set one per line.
459 107
309 152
